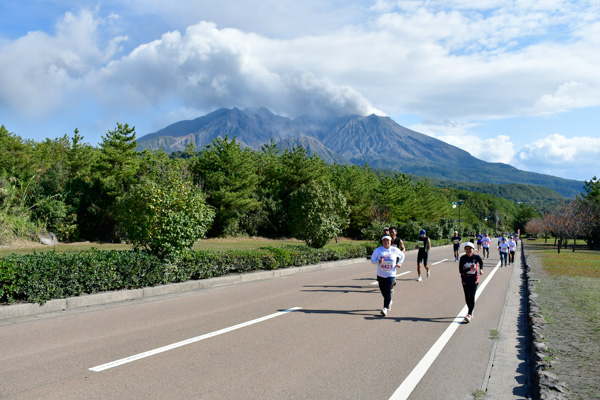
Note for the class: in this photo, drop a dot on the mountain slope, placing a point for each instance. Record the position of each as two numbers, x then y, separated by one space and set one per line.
377 141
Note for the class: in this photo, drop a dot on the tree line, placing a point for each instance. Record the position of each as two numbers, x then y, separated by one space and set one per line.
579 219
114 193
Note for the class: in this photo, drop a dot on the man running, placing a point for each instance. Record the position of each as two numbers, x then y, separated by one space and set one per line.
424 245
387 258
456 244
479 238
396 241
470 267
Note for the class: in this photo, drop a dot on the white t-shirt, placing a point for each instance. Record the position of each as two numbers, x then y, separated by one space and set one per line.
486 242
391 258
503 247
512 245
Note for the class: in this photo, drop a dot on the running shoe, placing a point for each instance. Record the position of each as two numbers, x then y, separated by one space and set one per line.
390 306
468 318
419 279
428 274
384 311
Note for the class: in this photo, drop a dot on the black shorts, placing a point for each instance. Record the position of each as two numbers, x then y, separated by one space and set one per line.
423 257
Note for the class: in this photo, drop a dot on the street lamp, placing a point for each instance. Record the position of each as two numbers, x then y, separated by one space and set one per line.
459 203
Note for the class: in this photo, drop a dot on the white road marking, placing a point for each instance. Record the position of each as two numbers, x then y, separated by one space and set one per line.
439 262
397 275
188 341
413 379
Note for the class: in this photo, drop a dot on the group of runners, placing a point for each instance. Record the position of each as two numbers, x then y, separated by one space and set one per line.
390 255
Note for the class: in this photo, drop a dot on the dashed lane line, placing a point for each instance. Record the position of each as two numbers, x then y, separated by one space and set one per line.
149 353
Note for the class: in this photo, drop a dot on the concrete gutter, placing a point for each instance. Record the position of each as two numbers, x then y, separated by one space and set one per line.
29 309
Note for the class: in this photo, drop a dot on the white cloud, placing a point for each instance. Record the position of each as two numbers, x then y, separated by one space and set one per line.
448 62
576 157
568 96
39 70
206 68
491 149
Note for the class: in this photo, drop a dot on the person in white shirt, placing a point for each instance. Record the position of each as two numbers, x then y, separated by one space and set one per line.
485 242
512 247
387 258
503 248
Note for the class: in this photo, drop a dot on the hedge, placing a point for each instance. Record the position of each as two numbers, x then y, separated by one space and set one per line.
43 276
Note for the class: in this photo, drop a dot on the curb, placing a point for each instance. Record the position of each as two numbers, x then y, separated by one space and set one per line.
547 384
87 300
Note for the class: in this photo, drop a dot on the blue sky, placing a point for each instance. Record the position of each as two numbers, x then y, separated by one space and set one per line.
515 81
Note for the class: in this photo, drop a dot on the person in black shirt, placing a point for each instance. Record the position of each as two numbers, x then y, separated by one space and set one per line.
470 267
396 241
456 244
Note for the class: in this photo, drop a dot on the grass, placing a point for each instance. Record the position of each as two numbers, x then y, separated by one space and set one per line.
219 244
494 334
568 288
583 262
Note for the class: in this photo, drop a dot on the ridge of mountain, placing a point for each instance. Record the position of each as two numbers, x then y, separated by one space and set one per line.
377 141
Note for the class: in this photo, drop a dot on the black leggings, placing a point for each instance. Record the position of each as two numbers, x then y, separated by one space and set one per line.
470 289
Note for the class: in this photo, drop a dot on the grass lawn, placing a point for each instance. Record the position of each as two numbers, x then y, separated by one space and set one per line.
220 244
569 295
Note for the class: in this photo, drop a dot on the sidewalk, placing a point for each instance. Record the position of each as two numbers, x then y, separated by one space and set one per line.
508 375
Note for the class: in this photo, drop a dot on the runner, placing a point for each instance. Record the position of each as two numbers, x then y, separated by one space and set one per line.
485 242
456 244
386 232
387 258
424 245
396 241
503 249
470 267
472 237
512 247
479 237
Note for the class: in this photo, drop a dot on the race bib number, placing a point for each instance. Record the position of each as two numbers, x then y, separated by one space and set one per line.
388 264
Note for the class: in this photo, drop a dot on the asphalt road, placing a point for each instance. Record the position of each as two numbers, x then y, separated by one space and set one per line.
323 338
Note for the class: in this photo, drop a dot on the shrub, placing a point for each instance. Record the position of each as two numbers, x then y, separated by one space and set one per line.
42 276
165 218
319 213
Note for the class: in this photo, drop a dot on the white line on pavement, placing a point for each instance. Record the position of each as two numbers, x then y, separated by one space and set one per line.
188 341
413 379
439 262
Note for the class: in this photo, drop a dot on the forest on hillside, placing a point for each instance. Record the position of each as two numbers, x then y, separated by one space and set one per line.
113 193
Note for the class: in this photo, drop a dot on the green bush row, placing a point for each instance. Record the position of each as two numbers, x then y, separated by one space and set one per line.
43 276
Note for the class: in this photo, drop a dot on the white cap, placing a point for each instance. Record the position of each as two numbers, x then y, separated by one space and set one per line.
386 237
469 244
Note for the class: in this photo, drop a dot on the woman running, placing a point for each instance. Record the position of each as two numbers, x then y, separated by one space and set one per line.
470 267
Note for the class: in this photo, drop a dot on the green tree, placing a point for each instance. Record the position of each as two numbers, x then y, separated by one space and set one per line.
228 175
282 174
318 212
524 214
118 159
113 175
395 199
358 185
165 216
